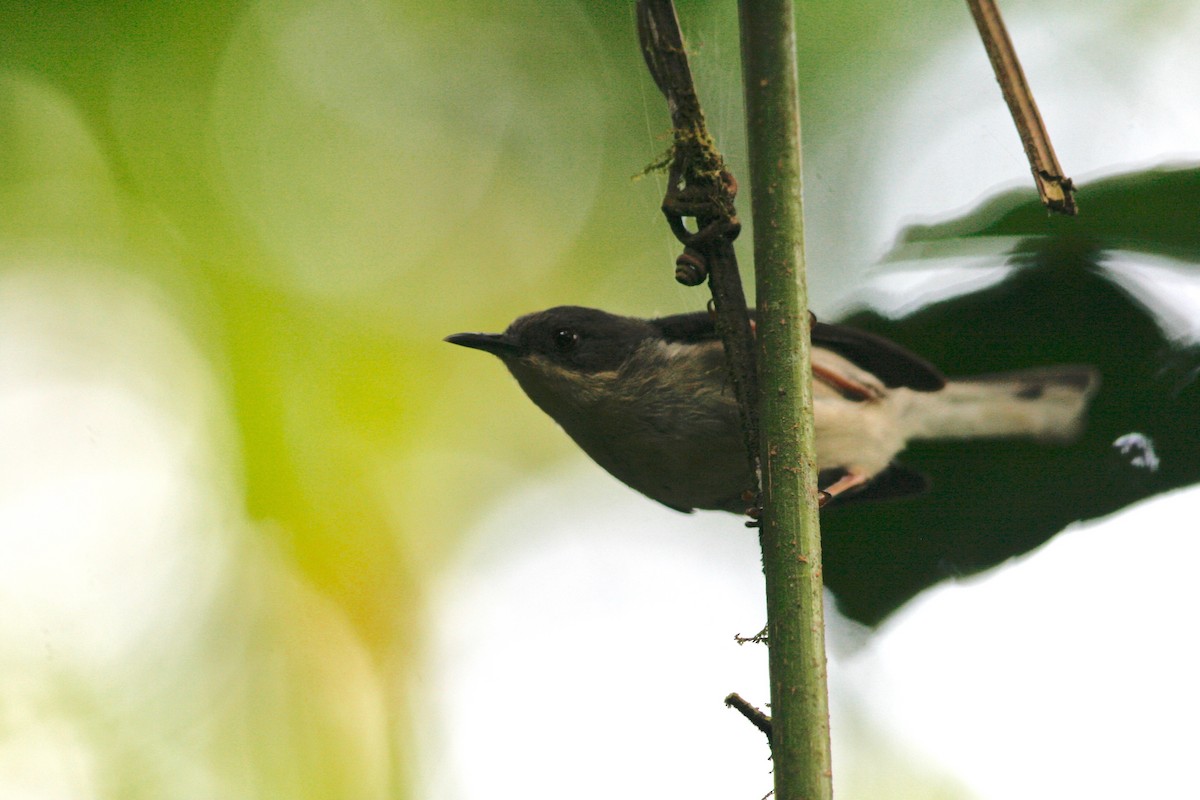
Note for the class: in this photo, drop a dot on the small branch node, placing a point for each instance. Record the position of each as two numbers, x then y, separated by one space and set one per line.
757 718
758 638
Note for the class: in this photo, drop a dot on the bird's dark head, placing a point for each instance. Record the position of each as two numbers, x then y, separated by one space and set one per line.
570 338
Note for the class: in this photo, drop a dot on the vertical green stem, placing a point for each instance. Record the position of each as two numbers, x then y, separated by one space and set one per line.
791 538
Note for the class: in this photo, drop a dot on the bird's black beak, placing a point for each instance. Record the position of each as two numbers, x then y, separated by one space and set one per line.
498 344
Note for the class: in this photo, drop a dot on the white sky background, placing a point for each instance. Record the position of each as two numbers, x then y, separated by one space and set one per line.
590 659
113 540
584 644
148 633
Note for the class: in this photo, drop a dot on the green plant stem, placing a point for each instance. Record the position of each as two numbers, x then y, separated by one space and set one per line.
790 534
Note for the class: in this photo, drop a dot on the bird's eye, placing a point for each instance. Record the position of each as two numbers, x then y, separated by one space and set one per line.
565 339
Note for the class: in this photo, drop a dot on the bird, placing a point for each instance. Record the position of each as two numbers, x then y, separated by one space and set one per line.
649 401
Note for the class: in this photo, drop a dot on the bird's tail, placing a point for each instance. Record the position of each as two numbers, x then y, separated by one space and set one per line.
1046 403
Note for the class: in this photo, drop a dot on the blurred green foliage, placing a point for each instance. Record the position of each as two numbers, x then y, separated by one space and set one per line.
313 193
1149 211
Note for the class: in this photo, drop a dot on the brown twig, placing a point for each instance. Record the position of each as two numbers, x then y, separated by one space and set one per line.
1056 190
757 718
700 187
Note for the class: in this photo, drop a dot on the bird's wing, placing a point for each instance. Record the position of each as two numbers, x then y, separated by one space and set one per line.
888 361
696 326
891 363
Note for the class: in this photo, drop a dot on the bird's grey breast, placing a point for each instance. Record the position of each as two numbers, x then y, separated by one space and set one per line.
665 423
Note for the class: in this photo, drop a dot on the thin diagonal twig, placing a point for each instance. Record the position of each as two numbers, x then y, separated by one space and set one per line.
700 187
1056 190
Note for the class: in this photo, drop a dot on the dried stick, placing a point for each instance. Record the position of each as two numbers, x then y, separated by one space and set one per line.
700 187
1056 190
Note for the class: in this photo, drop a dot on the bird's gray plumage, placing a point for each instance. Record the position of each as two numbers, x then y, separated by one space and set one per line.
649 400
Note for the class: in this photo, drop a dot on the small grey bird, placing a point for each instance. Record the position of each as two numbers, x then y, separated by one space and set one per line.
648 400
